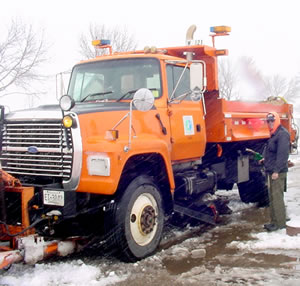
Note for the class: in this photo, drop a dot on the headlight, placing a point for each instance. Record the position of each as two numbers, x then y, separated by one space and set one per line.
98 165
66 102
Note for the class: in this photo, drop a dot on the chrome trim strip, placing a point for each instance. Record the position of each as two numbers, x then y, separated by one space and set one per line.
31 143
73 182
30 160
38 165
37 174
34 156
5 135
10 137
33 169
25 149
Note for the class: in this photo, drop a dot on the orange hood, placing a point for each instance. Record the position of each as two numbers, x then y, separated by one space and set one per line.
276 122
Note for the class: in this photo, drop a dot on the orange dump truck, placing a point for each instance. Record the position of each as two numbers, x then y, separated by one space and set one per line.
140 136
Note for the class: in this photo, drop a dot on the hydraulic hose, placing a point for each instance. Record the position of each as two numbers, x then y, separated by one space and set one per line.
21 232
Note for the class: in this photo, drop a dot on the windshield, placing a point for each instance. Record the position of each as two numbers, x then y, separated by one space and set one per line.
114 79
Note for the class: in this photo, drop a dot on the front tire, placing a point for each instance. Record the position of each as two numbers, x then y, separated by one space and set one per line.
138 219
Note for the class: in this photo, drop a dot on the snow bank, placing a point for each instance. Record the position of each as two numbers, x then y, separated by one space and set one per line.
75 273
278 240
265 240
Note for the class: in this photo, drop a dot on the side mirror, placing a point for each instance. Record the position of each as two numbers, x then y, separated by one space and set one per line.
197 80
143 99
196 76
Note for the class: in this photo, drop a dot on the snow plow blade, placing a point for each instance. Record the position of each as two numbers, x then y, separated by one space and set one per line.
19 240
9 257
33 248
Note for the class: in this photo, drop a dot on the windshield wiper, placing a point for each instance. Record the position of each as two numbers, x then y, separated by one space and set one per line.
132 91
95 94
126 94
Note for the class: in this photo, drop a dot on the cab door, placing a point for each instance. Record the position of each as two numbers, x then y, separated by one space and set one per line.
188 134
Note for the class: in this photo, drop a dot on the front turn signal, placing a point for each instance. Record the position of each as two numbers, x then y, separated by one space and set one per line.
68 121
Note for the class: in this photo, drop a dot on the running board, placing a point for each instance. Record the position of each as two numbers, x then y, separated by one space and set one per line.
197 214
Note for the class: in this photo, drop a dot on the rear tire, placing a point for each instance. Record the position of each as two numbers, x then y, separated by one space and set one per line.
255 190
138 219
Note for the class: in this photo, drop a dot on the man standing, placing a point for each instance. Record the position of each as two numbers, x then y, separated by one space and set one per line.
276 156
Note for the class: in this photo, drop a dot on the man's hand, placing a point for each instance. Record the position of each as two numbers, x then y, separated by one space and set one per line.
275 176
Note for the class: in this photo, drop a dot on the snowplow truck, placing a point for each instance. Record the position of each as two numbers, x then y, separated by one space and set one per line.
139 136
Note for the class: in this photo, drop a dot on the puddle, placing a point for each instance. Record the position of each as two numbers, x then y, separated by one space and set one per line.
239 227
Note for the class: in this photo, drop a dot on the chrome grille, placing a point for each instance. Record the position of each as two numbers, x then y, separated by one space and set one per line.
37 148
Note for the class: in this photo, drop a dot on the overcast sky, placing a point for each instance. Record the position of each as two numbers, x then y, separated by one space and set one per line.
266 30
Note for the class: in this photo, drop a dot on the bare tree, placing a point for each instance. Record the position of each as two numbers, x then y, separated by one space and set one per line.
279 86
21 54
120 40
227 79
259 86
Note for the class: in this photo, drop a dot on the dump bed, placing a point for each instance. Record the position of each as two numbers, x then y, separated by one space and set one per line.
231 121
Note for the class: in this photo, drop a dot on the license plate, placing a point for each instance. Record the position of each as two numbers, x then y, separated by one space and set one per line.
54 198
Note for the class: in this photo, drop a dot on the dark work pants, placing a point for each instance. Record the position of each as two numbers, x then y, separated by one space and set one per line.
277 207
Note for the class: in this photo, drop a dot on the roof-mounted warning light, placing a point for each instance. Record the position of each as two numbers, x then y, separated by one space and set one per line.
219 31
102 44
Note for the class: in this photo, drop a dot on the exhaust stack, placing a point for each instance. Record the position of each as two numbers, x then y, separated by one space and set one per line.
189 38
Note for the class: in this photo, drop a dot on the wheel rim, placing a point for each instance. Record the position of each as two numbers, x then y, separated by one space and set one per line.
143 219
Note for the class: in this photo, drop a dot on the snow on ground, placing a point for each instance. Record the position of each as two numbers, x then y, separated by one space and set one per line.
279 240
265 241
75 273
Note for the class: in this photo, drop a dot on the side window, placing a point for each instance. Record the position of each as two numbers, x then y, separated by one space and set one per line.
153 83
173 75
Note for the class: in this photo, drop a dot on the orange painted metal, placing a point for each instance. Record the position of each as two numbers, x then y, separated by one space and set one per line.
186 146
147 138
51 249
9 180
231 121
26 193
9 255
